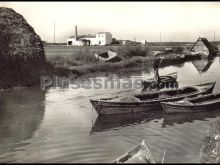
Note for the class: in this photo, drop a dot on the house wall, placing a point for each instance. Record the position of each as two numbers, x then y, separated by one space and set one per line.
74 42
108 38
201 48
104 38
143 42
100 39
93 41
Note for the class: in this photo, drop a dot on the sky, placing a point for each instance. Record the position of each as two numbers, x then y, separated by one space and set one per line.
175 21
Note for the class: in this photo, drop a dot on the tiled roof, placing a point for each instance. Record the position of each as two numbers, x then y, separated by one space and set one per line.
102 32
83 36
78 36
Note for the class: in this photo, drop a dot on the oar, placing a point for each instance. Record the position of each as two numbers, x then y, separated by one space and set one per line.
163 156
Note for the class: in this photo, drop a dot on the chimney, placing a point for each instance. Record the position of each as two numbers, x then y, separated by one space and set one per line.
76 32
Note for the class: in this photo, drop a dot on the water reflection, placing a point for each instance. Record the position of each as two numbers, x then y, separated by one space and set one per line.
61 127
21 112
104 123
202 65
172 119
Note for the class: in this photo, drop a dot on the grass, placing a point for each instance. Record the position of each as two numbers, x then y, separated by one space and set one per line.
81 60
63 56
138 62
76 59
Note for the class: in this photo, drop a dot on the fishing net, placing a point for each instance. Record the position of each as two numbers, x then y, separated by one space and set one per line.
127 99
184 102
164 96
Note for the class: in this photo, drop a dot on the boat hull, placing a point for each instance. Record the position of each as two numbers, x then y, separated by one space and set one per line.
108 107
189 109
104 108
199 107
108 56
145 156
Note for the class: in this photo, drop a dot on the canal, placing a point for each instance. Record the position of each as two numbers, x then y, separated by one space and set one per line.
59 124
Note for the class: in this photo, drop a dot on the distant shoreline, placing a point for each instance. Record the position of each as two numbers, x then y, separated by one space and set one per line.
79 61
171 43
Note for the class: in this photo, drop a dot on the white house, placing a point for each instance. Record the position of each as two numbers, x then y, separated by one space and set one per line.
81 40
101 38
144 42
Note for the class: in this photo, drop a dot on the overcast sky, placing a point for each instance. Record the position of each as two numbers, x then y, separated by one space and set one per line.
177 21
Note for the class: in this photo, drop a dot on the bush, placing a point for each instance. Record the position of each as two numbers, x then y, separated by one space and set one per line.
83 55
60 61
178 49
132 51
215 47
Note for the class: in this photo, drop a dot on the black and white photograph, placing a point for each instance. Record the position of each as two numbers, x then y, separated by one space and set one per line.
109 82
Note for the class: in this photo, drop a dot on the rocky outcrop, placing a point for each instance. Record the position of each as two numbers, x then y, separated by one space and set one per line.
22 58
210 149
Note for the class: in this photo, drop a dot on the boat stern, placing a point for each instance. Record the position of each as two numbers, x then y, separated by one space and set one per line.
206 87
210 87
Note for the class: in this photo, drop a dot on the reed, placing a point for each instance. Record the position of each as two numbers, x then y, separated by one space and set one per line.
82 59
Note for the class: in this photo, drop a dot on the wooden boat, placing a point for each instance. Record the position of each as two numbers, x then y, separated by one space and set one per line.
168 78
139 154
170 58
197 104
157 53
147 101
180 56
192 57
108 56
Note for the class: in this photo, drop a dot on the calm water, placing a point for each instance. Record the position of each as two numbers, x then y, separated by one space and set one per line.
59 125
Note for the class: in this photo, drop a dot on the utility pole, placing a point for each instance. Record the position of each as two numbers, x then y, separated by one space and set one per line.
214 37
54 32
160 38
